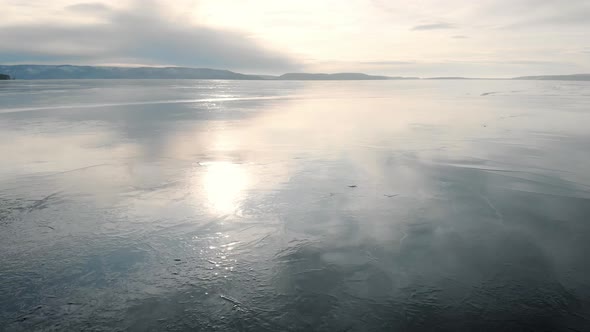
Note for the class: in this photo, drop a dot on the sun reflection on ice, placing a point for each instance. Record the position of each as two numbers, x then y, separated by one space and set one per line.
224 184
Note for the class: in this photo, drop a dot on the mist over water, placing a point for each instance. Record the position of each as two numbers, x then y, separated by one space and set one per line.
289 206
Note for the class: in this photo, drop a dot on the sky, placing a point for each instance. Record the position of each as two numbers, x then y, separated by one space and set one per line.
484 38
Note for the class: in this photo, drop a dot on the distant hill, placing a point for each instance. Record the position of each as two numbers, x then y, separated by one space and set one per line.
31 72
41 72
575 77
331 77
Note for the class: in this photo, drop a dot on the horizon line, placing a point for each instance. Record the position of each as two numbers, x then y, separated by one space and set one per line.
374 76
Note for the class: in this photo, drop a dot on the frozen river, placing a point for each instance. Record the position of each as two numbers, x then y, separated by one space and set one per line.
294 206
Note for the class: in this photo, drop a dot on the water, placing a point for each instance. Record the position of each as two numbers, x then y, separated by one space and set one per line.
292 206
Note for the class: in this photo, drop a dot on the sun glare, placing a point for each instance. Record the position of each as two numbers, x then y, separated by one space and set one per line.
224 184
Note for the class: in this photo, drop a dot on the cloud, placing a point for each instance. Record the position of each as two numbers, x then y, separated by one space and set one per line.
387 63
532 14
434 26
139 34
91 7
266 36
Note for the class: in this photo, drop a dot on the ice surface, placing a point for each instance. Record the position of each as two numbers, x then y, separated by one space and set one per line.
276 206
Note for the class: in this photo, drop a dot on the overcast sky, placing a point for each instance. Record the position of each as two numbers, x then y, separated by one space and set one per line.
494 38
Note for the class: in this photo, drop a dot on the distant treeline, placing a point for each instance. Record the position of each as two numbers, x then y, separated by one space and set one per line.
4 77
